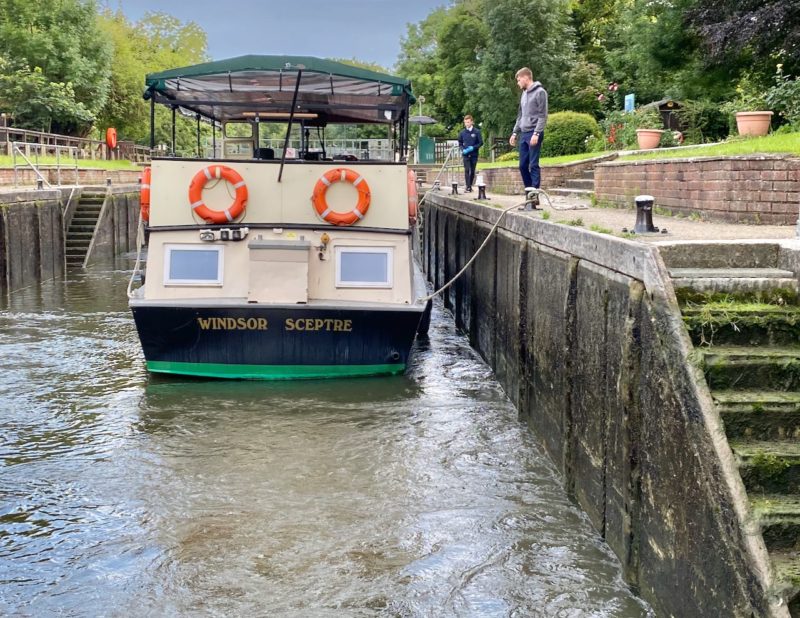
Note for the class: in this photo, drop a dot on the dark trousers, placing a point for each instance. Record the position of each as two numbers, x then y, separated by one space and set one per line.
470 162
529 160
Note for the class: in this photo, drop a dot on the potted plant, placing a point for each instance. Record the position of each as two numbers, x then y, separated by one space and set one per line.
749 107
649 129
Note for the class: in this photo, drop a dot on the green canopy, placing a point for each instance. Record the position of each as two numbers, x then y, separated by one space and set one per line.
264 86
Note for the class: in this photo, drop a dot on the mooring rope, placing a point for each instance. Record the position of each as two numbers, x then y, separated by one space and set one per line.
425 299
140 243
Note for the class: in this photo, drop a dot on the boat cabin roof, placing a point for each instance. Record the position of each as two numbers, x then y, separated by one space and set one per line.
264 87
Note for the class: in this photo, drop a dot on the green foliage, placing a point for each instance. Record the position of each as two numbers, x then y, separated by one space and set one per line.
567 132
619 128
157 42
61 38
509 156
668 140
41 105
702 121
749 33
532 33
648 118
750 96
784 97
56 65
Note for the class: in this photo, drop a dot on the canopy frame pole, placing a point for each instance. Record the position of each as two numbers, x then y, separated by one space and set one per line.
289 127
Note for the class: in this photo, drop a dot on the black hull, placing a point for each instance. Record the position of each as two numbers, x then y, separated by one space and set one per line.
261 342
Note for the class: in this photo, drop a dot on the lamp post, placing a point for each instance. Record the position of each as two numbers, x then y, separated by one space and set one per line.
421 101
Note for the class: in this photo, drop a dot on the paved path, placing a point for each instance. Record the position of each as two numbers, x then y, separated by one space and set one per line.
565 209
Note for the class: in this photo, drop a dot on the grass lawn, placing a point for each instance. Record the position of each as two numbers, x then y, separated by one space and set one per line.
545 161
6 161
779 143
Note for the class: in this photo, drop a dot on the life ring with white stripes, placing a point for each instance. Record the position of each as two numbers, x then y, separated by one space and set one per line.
341 174
196 194
144 195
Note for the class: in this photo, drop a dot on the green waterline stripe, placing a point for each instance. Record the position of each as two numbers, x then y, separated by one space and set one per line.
272 372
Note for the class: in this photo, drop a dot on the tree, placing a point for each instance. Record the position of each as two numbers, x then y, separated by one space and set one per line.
419 62
155 43
462 35
532 33
749 32
39 104
62 39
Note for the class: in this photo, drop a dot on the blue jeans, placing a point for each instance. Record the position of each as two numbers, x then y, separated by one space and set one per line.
529 160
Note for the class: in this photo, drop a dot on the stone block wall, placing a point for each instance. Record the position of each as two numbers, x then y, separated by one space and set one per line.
585 336
85 176
753 189
32 232
31 238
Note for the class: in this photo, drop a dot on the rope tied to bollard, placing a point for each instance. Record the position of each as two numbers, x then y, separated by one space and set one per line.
425 299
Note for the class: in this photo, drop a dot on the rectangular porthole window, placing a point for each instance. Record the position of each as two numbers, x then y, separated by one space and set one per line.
364 267
192 265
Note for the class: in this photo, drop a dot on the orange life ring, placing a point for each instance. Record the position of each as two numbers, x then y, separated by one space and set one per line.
413 198
144 195
111 137
196 194
341 174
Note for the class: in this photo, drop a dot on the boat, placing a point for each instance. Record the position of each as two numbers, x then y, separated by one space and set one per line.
280 249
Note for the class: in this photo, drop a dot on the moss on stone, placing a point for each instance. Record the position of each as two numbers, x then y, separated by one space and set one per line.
688 297
767 466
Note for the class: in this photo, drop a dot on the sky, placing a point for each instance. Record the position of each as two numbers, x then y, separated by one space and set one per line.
367 30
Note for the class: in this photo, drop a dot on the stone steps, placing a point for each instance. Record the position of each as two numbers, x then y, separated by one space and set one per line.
742 314
768 466
580 183
82 227
772 368
566 192
754 324
779 518
733 280
759 415
786 564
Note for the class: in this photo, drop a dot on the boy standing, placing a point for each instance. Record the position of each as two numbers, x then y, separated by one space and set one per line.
470 141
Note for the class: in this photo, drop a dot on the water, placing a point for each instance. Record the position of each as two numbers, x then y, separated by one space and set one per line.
128 494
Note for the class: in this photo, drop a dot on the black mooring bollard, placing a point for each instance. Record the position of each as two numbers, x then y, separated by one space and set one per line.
644 214
454 189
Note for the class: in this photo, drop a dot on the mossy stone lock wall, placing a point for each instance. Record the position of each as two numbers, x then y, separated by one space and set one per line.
585 336
33 228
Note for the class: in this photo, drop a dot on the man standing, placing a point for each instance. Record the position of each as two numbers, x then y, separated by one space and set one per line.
470 141
531 119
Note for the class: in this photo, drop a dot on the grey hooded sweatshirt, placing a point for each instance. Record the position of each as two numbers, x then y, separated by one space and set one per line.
532 115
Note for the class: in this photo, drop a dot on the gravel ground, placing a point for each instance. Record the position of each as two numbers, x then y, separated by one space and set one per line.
570 208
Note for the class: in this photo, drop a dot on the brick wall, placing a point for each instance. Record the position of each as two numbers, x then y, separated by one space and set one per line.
755 189
507 180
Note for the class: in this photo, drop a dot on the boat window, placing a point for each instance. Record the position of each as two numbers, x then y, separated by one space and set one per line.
364 267
193 265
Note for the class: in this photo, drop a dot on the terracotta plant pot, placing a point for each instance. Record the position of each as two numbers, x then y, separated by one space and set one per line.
648 138
753 123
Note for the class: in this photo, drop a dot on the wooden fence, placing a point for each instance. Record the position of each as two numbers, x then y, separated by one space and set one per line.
49 143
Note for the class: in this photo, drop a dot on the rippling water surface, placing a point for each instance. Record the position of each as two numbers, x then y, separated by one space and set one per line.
128 494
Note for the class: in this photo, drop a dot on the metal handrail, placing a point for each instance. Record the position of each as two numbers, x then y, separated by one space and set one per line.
17 150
